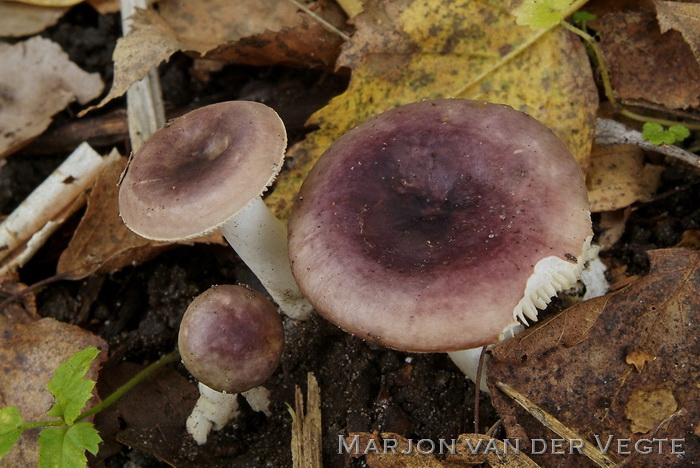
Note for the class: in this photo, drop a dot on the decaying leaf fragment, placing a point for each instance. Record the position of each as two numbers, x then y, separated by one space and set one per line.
646 410
639 359
50 3
574 366
37 81
28 227
409 50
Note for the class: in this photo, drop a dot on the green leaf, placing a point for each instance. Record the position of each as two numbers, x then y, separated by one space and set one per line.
540 14
679 132
10 420
582 17
69 387
657 135
64 447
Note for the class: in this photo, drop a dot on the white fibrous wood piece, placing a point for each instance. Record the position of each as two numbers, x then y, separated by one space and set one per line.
146 112
26 229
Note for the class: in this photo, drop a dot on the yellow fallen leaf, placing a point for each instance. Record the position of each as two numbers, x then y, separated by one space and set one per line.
408 50
618 177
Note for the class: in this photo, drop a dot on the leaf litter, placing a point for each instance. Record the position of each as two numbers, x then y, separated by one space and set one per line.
577 365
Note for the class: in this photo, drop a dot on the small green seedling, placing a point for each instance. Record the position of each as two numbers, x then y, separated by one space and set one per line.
582 17
658 135
64 439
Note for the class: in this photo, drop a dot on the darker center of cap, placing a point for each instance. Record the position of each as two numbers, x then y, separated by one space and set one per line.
427 216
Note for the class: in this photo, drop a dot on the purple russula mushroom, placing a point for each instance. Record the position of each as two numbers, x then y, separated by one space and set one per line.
440 225
231 340
207 170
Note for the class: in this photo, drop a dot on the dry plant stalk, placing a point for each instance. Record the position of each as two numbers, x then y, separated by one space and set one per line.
306 426
589 450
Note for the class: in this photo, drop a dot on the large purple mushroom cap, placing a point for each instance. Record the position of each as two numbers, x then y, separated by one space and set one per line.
231 338
422 228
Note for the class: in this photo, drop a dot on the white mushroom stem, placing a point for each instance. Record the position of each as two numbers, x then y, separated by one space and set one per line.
468 359
551 275
212 411
260 240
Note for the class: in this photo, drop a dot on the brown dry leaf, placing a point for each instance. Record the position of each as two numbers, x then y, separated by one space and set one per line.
390 450
254 32
29 354
646 410
684 18
618 177
19 19
646 65
102 243
574 367
408 50
37 80
50 3
152 418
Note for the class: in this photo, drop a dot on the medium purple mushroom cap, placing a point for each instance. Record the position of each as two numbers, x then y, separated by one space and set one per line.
231 338
201 169
422 228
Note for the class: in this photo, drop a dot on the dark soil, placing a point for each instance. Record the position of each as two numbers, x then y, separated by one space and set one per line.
137 310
